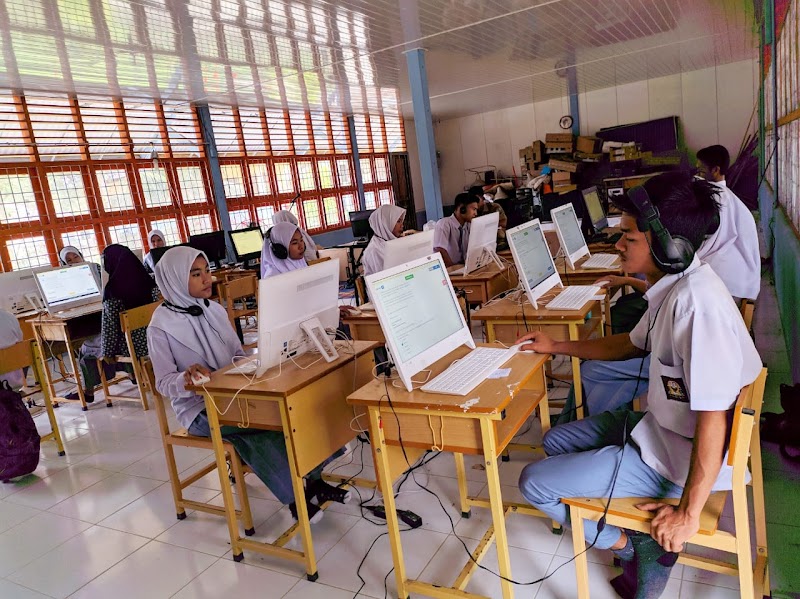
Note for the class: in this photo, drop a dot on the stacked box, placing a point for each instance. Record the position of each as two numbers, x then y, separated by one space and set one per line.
537 149
564 165
559 143
588 144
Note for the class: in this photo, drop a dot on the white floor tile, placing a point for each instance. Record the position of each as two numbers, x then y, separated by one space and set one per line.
154 465
154 571
35 537
694 590
12 514
229 579
68 567
525 532
9 590
105 498
317 590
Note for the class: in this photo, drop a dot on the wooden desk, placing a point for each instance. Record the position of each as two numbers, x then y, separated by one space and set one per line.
365 327
485 283
309 406
24 323
508 320
458 425
70 330
583 276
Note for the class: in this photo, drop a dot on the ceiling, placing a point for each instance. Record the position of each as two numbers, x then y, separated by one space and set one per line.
348 55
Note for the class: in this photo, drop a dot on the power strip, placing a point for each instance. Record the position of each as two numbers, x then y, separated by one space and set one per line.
407 516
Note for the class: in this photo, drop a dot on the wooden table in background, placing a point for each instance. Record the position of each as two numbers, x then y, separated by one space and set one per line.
365 327
485 283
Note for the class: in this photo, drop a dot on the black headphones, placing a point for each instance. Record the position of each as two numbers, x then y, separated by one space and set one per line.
194 310
278 249
672 254
462 209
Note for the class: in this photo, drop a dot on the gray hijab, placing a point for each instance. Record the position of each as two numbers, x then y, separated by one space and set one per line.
210 334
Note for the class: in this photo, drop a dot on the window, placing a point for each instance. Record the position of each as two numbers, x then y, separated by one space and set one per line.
200 223
332 216
85 241
283 176
343 168
169 227
252 131
384 197
17 200
240 219
29 252
259 179
366 171
192 185
115 190
68 193
232 180
369 200
155 187
348 205
381 170
326 178
311 214
265 214
128 235
305 171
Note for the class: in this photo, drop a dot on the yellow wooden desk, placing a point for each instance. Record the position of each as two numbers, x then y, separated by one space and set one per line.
70 330
365 327
485 283
507 320
307 402
462 426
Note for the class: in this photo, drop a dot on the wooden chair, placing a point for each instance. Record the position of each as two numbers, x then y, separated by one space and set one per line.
318 260
753 578
748 308
238 291
130 321
361 290
181 437
23 354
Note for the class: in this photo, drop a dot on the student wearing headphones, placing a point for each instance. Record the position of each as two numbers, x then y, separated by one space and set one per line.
191 336
284 216
386 223
451 236
702 355
283 250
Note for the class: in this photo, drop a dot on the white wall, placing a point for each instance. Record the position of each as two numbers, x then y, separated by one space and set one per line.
714 106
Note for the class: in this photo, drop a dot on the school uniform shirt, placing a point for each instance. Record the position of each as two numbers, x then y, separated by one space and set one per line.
453 237
732 251
702 356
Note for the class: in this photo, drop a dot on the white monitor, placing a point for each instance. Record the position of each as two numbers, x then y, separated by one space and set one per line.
482 247
288 300
69 287
18 287
419 314
537 271
408 248
569 234
595 208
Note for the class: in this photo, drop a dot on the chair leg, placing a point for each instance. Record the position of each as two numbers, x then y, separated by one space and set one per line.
174 481
744 558
241 491
104 381
579 548
138 372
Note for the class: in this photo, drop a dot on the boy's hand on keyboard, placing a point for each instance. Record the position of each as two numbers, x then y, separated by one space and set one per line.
538 342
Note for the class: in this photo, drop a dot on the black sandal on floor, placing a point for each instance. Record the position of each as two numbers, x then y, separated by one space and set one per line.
324 492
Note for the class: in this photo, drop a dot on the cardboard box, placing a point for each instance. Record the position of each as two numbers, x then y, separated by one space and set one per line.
589 144
558 147
537 151
584 157
564 188
564 165
608 146
562 178
558 137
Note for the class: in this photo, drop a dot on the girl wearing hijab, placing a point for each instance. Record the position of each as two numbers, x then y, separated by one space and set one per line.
188 336
155 239
284 216
129 286
386 223
283 250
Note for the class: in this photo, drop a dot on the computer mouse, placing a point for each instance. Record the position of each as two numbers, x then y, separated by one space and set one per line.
516 348
201 379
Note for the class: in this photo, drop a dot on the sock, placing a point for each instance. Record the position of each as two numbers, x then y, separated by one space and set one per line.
653 566
625 583
626 552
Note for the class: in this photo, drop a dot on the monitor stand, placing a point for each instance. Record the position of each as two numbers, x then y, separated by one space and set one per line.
488 256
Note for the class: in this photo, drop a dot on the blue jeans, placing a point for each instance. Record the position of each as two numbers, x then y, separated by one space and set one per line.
583 458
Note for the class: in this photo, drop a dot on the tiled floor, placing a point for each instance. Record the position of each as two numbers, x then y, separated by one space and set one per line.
100 523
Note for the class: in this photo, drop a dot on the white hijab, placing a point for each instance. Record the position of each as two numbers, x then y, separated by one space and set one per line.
284 216
68 249
381 221
152 234
211 334
272 265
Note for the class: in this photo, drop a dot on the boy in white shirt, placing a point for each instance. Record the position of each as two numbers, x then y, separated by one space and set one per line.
702 355
451 236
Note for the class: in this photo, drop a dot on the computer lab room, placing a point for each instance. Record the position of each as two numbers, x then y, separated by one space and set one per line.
456 299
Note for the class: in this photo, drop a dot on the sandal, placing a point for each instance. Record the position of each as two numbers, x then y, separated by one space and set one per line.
324 492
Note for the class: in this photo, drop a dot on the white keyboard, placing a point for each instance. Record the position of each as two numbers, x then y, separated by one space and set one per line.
600 261
573 297
471 370
80 311
244 367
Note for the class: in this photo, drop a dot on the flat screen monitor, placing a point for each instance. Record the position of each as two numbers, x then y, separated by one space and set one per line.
288 300
18 290
537 271
359 222
594 208
419 314
482 247
247 243
69 287
157 253
408 248
212 244
569 234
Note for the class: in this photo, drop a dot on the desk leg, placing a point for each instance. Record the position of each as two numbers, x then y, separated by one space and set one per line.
385 479
461 474
76 370
225 483
605 316
490 334
46 393
299 498
576 374
496 502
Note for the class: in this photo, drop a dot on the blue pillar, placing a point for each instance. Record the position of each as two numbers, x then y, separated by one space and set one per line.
572 90
351 125
418 78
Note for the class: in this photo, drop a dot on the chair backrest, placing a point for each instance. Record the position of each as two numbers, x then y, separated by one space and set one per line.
137 318
748 308
241 287
361 290
744 432
161 411
16 356
318 260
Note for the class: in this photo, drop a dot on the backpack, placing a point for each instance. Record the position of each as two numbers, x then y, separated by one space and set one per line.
19 439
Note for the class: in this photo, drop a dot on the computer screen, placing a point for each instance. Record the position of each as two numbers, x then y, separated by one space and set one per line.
535 263
482 236
74 284
408 248
247 243
157 253
212 244
15 286
595 209
359 222
571 234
